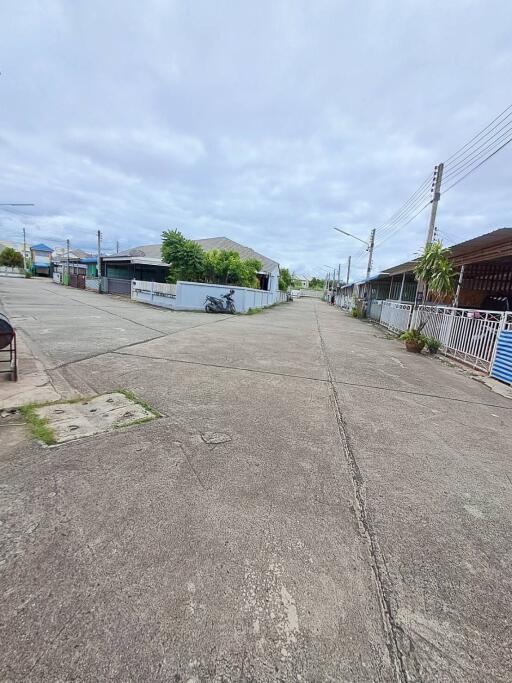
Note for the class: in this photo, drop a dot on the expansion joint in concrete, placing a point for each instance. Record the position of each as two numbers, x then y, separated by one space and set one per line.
394 633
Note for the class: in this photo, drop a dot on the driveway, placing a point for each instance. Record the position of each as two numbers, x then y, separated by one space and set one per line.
315 504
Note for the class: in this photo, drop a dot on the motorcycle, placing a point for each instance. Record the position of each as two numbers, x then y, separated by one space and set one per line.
213 304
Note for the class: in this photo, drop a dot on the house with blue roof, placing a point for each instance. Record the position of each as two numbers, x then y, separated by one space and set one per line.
41 257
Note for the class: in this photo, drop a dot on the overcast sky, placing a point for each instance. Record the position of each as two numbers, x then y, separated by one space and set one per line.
267 122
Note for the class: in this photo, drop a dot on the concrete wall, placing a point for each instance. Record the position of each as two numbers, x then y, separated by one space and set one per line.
191 296
154 293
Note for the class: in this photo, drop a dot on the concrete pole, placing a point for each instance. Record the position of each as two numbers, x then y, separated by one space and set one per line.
459 284
67 259
371 244
436 196
24 250
348 269
98 257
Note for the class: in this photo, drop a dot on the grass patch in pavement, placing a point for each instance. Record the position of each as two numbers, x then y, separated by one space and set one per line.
41 428
38 426
132 397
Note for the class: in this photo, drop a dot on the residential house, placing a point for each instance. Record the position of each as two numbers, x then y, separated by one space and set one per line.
41 258
302 281
145 263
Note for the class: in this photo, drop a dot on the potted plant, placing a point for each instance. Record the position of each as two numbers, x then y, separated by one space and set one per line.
432 345
414 341
435 269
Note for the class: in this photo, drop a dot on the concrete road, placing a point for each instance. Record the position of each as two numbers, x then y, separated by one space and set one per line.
315 504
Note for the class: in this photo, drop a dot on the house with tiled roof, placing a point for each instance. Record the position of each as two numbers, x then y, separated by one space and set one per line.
145 263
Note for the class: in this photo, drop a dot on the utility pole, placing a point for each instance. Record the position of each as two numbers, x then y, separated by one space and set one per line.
348 269
371 244
117 246
436 196
98 257
24 249
67 261
339 274
459 285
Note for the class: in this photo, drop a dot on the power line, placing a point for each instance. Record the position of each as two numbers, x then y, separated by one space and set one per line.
476 155
422 190
478 135
399 227
477 166
403 219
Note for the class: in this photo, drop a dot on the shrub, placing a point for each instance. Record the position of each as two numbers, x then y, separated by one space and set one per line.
433 345
413 336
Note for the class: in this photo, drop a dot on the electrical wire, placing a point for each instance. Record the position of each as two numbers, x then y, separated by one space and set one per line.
405 218
408 205
477 155
447 189
478 135
401 226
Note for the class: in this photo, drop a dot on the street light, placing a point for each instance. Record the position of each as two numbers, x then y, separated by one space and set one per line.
9 204
350 235
369 246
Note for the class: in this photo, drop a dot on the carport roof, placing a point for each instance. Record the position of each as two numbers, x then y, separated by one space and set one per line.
490 245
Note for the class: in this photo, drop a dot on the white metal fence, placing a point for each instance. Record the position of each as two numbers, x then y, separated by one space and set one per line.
374 310
395 315
311 293
11 271
155 293
468 335
344 301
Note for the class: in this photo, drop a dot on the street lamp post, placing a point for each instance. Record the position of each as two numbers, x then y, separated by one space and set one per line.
369 246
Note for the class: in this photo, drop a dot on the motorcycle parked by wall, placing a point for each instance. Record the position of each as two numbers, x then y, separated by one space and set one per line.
213 304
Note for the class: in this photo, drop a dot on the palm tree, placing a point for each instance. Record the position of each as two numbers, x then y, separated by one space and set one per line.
434 268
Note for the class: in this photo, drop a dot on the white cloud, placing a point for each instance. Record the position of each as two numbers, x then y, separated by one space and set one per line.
270 123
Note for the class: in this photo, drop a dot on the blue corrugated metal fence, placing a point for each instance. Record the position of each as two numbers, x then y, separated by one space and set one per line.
502 366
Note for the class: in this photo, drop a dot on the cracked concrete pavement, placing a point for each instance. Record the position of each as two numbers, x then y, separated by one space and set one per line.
315 504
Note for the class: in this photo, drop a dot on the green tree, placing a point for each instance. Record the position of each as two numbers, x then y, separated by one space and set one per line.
186 257
10 257
316 283
189 262
435 269
285 279
226 267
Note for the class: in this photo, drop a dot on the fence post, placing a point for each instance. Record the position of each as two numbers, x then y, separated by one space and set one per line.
412 318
